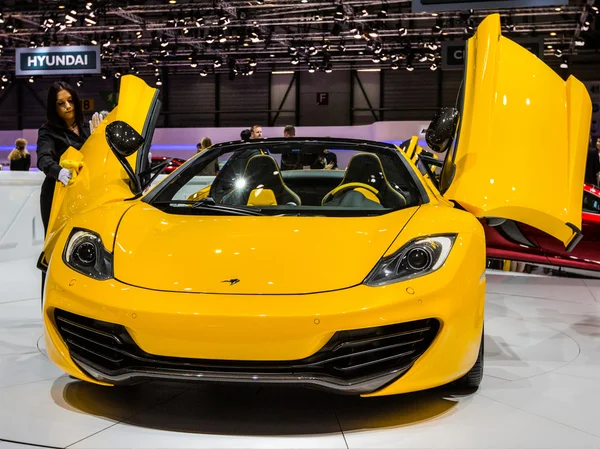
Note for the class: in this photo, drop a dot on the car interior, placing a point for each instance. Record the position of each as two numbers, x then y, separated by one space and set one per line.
364 184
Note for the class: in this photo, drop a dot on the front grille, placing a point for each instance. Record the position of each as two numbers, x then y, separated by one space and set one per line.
348 356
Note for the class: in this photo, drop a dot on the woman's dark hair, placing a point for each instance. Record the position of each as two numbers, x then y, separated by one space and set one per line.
245 134
52 115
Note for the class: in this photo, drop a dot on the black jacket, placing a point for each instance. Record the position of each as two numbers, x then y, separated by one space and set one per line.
21 164
592 166
51 144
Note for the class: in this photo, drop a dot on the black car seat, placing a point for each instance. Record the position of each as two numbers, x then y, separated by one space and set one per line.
261 185
366 169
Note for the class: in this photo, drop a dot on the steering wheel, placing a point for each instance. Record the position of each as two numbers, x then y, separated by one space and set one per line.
350 185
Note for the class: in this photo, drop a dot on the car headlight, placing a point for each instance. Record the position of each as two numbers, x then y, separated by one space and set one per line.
85 253
417 258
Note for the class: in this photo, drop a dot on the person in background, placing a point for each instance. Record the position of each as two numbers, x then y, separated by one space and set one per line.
245 135
592 166
20 159
330 158
211 169
63 129
256 132
289 131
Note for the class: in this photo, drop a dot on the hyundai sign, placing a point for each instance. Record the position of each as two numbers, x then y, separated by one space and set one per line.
71 60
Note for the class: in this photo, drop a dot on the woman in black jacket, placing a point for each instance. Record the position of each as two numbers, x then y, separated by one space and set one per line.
64 129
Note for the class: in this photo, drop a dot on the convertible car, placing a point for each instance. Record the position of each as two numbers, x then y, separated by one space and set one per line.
369 280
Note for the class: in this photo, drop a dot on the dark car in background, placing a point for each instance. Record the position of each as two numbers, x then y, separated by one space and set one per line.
174 163
510 240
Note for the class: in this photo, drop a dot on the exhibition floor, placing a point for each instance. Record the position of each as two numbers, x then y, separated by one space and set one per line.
540 390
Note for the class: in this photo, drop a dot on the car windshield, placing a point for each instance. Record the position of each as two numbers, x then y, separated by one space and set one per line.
292 177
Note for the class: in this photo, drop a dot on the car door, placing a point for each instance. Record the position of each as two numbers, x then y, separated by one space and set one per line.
522 128
99 176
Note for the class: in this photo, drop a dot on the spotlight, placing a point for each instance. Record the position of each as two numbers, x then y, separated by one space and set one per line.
328 68
579 42
80 82
295 60
402 31
117 74
311 68
395 66
4 78
158 81
433 67
558 52
218 62
31 79
564 64
409 67
203 72
252 62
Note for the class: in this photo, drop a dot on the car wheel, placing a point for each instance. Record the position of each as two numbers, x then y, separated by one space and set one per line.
473 378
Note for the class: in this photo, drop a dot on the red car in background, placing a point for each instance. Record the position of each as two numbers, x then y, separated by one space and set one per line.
171 166
515 241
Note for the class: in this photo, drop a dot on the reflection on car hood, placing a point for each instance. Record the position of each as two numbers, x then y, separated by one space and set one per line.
250 255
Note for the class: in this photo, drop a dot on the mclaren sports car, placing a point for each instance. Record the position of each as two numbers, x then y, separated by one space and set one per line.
366 280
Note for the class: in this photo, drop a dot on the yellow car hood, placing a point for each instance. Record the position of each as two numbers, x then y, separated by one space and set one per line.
266 255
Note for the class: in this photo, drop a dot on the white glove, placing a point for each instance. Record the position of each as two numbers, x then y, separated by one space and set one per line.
64 176
97 119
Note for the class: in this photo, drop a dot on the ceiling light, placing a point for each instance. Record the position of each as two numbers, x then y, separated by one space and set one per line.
579 42
31 79
409 67
558 52
433 67
283 72
158 81
295 60
564 64
203 72
329 68
402 31
558 9
369 70
553 33
218 62
80 82
252 62
311 68
395 66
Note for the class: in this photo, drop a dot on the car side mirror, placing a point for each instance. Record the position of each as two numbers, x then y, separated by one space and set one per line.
442 130
124 141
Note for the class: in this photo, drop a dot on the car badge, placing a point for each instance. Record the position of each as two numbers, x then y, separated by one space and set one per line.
231 281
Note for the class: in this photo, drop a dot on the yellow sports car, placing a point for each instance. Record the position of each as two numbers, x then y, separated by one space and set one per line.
367 280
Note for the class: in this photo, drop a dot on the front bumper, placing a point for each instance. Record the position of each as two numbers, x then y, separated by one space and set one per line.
355 362
275 338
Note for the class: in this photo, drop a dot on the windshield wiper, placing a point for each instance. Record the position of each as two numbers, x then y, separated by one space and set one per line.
210 204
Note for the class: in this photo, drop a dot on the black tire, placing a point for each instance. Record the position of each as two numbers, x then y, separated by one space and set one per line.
473 378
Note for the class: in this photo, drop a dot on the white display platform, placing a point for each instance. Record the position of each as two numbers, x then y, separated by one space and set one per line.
540 389
21 228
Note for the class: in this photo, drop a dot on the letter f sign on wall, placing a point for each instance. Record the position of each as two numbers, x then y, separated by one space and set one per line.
322 98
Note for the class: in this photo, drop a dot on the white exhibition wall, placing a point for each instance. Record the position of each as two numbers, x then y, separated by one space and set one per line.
181 142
